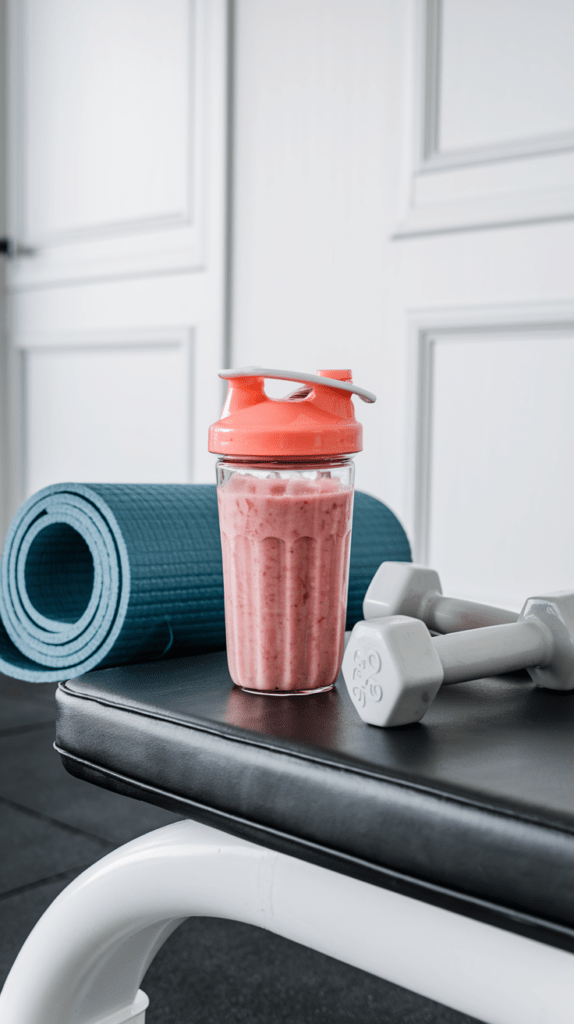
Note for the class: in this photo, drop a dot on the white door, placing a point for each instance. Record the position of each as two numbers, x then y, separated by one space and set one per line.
117 190
483 297
404 205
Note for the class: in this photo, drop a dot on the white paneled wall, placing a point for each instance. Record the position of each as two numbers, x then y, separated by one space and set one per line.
404 204
491 111
4 361
506 72
313 152
496 420
132 398
114 148
118 130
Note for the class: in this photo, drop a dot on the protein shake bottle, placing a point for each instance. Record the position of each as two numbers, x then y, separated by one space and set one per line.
285 492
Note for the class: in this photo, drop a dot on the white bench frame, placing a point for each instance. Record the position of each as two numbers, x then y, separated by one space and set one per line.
84 961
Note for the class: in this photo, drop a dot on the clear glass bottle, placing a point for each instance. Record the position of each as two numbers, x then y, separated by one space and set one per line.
285 491
286 538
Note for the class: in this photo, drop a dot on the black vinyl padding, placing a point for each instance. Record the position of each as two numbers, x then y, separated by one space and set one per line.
472 809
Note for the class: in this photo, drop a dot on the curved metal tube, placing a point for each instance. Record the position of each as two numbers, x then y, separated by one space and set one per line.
85 959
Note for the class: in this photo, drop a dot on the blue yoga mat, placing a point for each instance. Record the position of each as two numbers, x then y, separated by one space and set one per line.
95 575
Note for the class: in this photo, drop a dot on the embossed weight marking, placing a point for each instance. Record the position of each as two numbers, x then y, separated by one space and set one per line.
390 676
367 665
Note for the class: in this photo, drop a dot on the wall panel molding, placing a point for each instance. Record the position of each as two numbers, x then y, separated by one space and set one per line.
515 181
168 240
37 352
425 331
432 158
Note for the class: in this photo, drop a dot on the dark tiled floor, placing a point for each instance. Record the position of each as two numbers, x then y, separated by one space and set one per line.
52 826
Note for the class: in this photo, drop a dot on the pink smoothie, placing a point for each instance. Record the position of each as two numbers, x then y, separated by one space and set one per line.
286 547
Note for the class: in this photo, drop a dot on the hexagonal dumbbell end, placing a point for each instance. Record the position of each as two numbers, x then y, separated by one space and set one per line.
403 588
400 588
555 614
392 670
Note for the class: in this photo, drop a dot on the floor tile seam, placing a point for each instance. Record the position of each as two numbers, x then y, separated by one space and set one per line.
33 813
19 730
60 876
326 760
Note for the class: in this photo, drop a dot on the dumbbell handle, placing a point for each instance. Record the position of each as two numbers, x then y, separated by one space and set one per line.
493 650
453 614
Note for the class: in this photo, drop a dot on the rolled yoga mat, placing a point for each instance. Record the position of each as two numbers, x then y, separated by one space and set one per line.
95 575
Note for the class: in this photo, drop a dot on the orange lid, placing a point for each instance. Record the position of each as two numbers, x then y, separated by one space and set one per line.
317 419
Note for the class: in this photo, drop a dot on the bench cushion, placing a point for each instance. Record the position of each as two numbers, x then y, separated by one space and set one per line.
472 809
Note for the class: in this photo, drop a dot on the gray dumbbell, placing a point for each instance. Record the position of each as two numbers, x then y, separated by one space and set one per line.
393 668
403 588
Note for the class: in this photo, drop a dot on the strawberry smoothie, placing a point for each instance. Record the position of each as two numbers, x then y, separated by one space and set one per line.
286 545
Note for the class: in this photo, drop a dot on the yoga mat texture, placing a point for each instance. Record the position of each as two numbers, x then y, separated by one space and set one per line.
95 575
